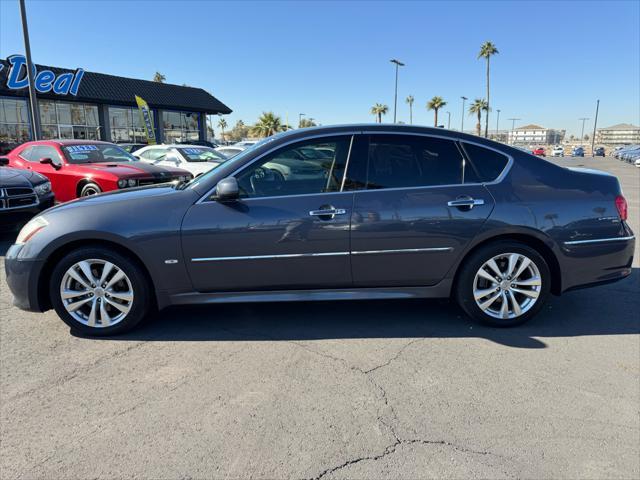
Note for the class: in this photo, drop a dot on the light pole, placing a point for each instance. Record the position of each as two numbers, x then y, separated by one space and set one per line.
33 101
398 63
595 122
448 120
513 127
583 119
497 124
464 99
300 115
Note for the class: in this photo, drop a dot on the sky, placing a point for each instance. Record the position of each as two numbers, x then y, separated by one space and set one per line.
330 59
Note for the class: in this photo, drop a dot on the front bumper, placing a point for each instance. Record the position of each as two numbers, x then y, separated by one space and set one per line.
23 280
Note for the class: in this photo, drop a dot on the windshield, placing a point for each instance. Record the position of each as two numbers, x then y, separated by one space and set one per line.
201 154
78 154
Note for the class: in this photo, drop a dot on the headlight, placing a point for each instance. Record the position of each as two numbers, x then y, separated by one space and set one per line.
43 188
132 182
30 229
122 183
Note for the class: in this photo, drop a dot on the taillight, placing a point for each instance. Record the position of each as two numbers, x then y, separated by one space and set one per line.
621 206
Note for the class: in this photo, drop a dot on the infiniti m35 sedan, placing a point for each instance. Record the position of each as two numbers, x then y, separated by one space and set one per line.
382 211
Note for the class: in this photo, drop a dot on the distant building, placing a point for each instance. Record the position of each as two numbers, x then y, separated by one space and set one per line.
535 134
621 134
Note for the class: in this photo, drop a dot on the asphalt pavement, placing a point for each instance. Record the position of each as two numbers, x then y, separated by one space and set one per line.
393 389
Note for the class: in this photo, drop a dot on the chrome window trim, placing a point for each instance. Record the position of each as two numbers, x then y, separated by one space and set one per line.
206 197
321 254
600 240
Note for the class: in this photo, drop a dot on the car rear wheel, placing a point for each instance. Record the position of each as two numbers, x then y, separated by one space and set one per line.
90 189
98 292
503 284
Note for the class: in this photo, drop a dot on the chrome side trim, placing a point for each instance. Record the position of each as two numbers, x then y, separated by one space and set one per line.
600 240
265 257
402 250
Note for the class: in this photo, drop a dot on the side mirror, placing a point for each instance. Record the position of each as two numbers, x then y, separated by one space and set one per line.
227 190
4 161
50 161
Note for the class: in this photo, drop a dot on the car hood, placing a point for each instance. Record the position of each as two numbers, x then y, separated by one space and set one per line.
134 169
17 177
199 167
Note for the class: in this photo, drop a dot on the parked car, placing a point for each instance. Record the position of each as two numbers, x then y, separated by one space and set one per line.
131 147
201 143
398 212
195 159
598 152
539 151
80 168
577 152
23 194
558 151
629 154
230 151
245 143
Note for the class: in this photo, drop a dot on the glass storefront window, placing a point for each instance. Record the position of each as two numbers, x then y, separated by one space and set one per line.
47 112
180 126
126 125
64 113
69 120
77 114
66 132
91 112
14 121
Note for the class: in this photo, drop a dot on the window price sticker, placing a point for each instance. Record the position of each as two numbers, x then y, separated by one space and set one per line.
82 148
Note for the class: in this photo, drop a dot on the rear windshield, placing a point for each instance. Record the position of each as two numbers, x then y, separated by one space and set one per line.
201 154
96 154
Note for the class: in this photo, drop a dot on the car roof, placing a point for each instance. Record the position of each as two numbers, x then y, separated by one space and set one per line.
60 141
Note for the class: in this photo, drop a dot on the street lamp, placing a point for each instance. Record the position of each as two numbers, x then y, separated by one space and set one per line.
583 119
398 63
513 127
464 99
497 124
300 115
448 120
33 101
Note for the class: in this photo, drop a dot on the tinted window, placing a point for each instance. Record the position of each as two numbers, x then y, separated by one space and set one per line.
88 153
400 161
288 172
488 163
39 152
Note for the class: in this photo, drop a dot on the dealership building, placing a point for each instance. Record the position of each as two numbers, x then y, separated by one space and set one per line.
75 104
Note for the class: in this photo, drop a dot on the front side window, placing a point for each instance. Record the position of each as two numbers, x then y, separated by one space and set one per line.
404 161
78 154
39 152
288 172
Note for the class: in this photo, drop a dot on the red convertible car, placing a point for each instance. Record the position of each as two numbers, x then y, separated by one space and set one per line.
539 151
79 168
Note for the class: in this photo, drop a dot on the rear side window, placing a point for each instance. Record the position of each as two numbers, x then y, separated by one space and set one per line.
488 163
402 161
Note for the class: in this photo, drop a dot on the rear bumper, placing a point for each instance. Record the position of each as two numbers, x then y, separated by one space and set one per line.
22 279
596 262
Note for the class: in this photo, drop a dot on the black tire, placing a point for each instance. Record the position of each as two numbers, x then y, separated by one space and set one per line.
465 282
90 189
141 304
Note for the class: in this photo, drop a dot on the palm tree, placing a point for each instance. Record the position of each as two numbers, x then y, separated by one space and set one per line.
268 124
435 104
477 107
409 100
378 110
222 124
158 77
486 51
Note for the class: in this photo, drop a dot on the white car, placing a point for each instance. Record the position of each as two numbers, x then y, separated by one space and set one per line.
196 159
231 150
245 143
558 151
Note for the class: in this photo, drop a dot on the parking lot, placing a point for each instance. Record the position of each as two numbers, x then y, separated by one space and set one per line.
402 389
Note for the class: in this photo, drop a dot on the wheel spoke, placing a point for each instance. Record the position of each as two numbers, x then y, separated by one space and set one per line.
76 276
92 314
494 266
67 294
515 306
126 296
119 275
529 282
72 307
513 260
487 276
478 294
528 293
119 306
86 269
105 319
486 304
523 266
504 309
106 270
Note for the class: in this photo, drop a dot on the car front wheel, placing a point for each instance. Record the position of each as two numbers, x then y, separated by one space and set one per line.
98 292
503 284
90 189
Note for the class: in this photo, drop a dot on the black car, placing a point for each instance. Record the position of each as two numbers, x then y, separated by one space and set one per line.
394 211
23 194
598 152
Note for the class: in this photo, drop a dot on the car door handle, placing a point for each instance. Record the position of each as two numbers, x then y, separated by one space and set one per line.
327 212
465 202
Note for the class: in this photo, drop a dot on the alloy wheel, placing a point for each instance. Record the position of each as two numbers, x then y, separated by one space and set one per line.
96 293
507 285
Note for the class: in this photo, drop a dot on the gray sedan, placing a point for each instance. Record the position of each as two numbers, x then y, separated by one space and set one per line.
384 211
